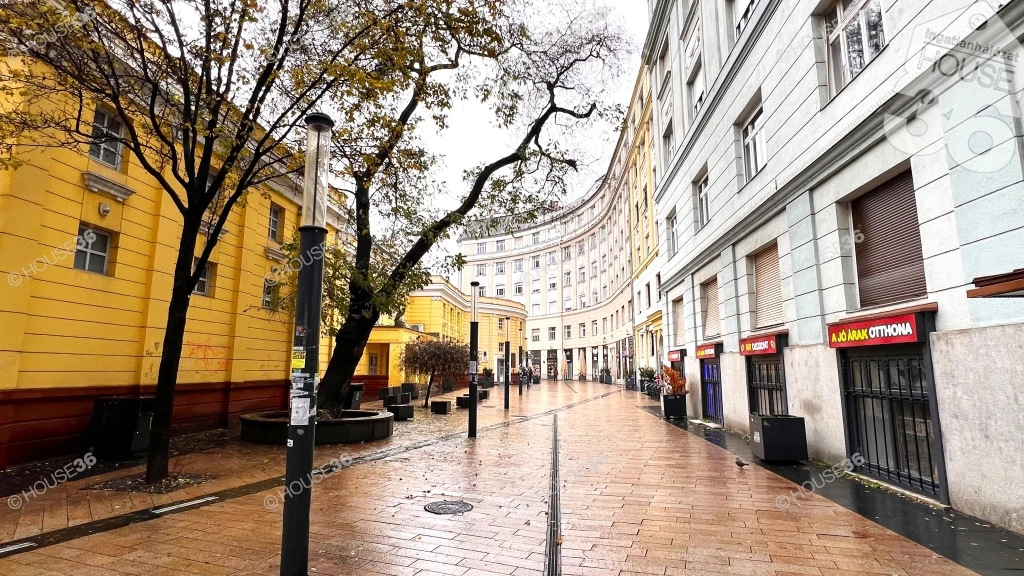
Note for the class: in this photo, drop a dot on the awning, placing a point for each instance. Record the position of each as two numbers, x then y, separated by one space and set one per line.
1009 285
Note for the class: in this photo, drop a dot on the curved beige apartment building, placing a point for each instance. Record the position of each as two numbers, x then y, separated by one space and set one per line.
572 270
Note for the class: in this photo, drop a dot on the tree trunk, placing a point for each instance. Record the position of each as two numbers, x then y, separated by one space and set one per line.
430 382
348 349
167 376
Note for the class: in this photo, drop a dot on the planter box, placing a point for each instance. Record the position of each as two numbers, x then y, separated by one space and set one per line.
411 388
583 377
778 438
673 406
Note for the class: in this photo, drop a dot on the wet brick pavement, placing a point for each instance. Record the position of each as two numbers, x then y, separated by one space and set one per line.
638 496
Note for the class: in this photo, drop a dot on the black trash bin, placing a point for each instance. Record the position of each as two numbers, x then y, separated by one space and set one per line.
354 397
119 428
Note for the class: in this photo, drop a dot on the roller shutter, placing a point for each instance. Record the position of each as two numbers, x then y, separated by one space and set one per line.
890 267
712 325
767 289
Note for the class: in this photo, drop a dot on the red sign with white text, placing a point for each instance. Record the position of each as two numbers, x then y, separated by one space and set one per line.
892 330
759 345
706 351
675 355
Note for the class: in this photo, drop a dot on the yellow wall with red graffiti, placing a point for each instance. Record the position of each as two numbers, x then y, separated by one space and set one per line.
61 326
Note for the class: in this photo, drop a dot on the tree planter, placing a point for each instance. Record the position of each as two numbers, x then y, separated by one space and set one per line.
583 377
673 406
353 427
778 438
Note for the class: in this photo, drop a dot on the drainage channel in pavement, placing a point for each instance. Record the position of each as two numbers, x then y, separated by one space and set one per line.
114 522
966 540
553 542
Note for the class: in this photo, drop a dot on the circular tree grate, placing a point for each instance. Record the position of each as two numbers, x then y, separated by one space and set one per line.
448 507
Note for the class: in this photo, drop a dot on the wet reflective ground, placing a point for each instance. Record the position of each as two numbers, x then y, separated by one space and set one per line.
637 495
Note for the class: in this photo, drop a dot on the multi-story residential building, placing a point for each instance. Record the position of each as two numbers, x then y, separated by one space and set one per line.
817 248
571 270
643 228
87 250
440 310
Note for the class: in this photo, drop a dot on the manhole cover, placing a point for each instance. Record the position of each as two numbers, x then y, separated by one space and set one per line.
448 507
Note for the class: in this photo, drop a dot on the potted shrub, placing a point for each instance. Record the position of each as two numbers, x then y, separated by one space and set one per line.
647 375
779 438
583 375
487 378
673 402
606 375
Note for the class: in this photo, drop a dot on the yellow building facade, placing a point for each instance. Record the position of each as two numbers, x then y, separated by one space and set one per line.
88 241
441 310
642 177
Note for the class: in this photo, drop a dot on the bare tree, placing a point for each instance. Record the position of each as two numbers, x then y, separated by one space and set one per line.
544 80
205 95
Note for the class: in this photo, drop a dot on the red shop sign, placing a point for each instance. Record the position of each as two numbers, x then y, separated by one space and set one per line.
892 330
675 355
759 345
706 351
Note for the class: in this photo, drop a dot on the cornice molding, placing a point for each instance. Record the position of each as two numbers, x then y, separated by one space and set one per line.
100 184
274 253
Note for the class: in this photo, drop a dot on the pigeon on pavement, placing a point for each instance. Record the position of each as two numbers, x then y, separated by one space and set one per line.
740 463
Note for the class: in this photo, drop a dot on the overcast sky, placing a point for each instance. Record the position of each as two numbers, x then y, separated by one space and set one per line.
471 138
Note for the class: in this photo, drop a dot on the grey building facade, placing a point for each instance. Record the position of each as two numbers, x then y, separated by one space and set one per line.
831 179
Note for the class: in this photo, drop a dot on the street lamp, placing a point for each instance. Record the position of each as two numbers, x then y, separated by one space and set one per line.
522 361
508 361
474 344
306 349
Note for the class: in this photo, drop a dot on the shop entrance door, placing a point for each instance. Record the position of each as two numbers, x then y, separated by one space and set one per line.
711 391
888 414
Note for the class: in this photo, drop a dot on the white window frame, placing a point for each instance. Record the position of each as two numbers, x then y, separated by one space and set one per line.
481 247
274 222
202 287
836 22
552 333
703 202
518 289
499 245
755 156
106 125
269 292
85 246
481 270
499 268
742 10
517 265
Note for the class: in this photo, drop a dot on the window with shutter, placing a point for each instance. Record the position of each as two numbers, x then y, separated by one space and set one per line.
712 326
890 267
767 289
679 321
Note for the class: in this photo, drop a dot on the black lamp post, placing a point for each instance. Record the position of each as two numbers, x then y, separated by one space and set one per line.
508 360
522 361
306 349
474 344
